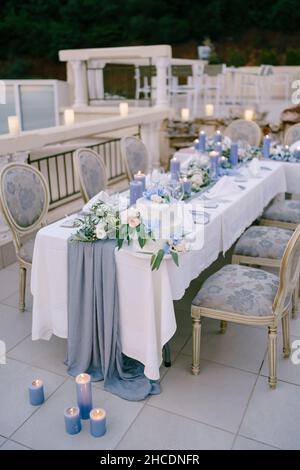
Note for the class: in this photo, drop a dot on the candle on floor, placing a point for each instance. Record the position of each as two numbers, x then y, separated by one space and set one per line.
266 146
84 395
123 108
36 392
233 156
209 110
185 114
187 186
249 114
202 141
142 178
69 117
214 159
13 125
72 420
174 168
135 190
98 422
218 136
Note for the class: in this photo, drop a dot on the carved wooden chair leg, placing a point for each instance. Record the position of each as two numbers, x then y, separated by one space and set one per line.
196 345
295 303
167 355
223 327
285 321
272 352
22 281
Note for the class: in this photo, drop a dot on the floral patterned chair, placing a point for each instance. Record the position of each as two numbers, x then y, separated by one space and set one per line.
246 131
292 134
91 171
250 296
135 156
24 202
284 214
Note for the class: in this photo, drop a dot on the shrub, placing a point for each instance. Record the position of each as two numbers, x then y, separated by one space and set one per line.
268 57
19 68
237 58
292 56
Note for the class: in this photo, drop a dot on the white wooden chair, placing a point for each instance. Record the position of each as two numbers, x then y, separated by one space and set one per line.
91 172
243 130
292 135
135 156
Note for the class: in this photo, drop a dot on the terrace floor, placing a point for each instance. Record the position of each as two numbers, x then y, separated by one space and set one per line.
228 406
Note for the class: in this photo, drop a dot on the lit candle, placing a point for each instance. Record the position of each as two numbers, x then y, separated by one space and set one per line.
13 125
142 178
69 117
174 168
84 395
72 420
135 190
214 158
36 392
98 422
218 136
209 110
297 152
185 114
266 146
233 156
187 186
218 148
286 149
249 114
123 108
202 141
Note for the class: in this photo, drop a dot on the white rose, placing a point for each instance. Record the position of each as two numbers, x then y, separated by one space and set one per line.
100 231
132 213
181 247
197 179
156 198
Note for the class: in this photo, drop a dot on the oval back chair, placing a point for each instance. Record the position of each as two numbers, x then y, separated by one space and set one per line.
135 156
24 201
292 134
243 130
91 171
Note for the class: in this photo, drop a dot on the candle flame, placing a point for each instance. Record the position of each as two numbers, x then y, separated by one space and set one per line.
37 383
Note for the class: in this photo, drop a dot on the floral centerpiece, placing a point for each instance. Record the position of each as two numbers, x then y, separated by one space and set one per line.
198 175
283 154
157 194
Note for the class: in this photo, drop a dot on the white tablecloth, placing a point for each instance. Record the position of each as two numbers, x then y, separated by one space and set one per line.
147 319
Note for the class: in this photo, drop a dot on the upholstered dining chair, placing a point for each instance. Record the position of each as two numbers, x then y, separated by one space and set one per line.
135 156
91 172
264 247
292 134
250 296
243 130
282 213
24 202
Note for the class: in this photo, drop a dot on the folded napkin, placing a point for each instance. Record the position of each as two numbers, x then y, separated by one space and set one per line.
224 187
104 197
254 167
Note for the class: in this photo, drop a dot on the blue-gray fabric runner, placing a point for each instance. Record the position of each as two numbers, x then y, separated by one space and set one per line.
94 344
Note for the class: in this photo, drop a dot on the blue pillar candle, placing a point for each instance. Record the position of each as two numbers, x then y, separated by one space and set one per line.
72 420
36 392
234 155
202 141
218 148
136 191
218 136
84 394
142 178
296 153
174 168
266 146
187 186
214 158
98 422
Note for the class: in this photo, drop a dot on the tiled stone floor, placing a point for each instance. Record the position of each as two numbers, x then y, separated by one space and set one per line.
228 406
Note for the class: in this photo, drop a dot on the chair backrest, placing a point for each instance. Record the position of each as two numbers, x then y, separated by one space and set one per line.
135 156
212 70
289 272
24 198
292 134
266 70
243 130
91 172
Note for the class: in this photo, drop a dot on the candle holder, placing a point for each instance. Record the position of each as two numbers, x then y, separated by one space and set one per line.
214 159
84 395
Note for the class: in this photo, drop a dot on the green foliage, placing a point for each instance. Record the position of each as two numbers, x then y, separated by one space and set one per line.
268 57
292 56
19 68
237 58
215 59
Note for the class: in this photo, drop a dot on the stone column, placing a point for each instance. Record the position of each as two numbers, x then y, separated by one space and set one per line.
162 98
80 83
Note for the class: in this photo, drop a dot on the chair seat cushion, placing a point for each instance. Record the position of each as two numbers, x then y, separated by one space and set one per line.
284 211
26 251
263 242
239 289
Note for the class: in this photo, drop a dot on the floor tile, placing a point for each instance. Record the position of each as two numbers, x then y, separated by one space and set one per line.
273 416
48 355
14 404
9 282
217 396
242 443
35 432
13 267
13 300
14 326
2 440
11 445
158 429
241 346
287 370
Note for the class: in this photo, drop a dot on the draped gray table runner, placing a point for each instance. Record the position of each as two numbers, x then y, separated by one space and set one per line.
94 344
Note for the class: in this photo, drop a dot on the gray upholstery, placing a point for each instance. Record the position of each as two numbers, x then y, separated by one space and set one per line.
92 173
239 289
26 251
136 156
263 242
244 131
283 211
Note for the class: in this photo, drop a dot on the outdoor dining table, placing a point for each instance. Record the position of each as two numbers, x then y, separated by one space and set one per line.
147 318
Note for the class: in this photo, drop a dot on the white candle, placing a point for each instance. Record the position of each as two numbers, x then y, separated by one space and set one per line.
123 108
209 110
249 114
69 117
185 114
13 125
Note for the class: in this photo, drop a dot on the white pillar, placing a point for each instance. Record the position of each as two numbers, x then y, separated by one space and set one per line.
150 135
99 79
162 98
80 83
